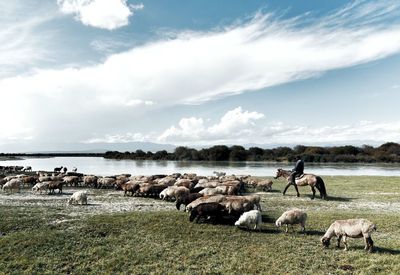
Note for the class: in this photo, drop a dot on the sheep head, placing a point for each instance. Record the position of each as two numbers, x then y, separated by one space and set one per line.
325 241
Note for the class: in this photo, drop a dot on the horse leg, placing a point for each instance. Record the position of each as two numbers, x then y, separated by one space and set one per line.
313 192
297 190
287 186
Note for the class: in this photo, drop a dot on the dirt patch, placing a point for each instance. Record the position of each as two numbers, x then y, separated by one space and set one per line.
99 202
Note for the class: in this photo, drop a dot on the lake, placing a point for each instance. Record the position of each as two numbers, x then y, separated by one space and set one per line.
101 166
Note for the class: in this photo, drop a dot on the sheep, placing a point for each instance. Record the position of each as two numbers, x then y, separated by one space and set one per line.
90 181
53 185
219 174
212 210
353 228
168 180
40 186
250 218
129 186
211 191
58 169
236 205
27 168
264 185
71 180
185 182
79 197
293 216
172 192
105 182
151 190
74 169
205 199
186 199
255 199
12 184
29 180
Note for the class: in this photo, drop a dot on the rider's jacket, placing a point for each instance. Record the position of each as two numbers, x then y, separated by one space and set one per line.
299 167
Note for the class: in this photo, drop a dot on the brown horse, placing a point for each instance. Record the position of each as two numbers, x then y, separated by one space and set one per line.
306 179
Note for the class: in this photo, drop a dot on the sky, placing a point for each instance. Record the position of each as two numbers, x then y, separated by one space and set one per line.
198 73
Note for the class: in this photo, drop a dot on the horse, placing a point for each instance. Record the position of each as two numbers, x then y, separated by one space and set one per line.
306 179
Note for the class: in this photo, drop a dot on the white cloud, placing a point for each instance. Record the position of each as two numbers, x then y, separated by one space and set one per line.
192 68
235 124
21 45
119 138
238 127
105 14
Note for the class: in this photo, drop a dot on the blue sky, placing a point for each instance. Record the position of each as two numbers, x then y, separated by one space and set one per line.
198 73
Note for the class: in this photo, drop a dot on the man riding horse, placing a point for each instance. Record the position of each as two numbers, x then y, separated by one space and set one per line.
305 179
297 171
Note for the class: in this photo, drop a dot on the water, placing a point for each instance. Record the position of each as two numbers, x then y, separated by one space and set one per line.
101 166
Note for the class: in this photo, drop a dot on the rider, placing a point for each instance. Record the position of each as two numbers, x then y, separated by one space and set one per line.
298 169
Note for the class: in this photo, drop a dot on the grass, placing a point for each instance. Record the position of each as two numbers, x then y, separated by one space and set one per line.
166 242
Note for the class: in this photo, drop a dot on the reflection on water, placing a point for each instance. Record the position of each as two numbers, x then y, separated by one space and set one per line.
101 166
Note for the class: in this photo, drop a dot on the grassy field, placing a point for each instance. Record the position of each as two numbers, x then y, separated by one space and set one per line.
52 238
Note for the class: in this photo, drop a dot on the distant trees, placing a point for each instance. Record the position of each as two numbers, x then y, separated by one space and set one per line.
388 152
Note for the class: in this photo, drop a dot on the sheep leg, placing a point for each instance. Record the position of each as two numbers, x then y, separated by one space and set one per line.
338 241
313 192
345 243
287 228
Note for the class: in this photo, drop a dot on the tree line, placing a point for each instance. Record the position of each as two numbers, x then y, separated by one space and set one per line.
387 152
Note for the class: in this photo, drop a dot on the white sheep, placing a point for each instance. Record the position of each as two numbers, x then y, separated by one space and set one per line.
353 228
40 186
172 192
293 216
79 197
250 218
13 184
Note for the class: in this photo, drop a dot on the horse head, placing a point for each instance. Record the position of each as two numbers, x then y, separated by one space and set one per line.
278 173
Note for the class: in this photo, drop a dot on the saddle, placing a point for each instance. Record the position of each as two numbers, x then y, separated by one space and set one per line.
299 177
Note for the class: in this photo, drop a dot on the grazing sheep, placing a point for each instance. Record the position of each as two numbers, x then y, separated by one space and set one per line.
255 199
13 184
71 180
130 186
293 216
79 197
353 228
90 181
205 199
211 210
237 205
250 218
29 180
264 185
211 191
53 185
105 182
27 168
172 192
186 183
40 186
185 200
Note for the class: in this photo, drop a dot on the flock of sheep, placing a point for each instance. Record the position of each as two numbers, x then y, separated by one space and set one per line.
213 199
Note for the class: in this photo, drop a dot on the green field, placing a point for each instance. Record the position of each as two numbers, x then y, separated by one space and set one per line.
40 238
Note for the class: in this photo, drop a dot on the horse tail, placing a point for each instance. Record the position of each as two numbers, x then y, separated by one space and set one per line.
321 186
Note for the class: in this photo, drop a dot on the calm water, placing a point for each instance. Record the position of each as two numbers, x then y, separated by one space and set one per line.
101 166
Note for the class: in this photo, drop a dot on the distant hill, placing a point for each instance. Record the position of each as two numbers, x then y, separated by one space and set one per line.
86 147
